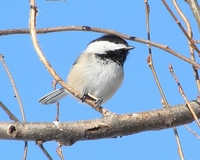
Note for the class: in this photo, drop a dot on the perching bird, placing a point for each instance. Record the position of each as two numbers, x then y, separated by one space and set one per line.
98 71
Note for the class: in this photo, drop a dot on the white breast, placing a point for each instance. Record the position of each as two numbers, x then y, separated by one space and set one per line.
98 79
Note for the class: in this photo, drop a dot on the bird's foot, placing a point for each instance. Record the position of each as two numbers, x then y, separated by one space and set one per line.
86 95
98 102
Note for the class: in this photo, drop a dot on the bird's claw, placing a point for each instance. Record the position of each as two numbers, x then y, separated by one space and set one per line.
86 95
99 102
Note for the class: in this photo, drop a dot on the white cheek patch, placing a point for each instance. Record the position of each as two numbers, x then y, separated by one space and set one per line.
103 46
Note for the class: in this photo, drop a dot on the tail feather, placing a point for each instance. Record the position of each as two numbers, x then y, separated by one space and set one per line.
53 96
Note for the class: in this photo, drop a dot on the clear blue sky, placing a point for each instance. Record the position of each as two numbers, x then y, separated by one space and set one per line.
138 92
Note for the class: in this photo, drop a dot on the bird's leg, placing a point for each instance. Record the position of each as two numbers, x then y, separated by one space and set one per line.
98 101
85 95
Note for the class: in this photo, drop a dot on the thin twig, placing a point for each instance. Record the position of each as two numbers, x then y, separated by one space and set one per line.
25 150
59 152
194 133
196 41
183 94
195 10
150 58
40 144
192 56
54 83
101 30
180 151
32 21
18 99
57 111
14 87
150 63
9 113
181 27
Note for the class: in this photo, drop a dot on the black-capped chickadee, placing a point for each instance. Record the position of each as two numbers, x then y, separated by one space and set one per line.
97 71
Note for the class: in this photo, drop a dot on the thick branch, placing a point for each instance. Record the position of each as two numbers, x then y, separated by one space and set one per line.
67 133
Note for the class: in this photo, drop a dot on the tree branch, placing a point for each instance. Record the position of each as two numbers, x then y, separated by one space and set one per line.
67 133
101 30
194 6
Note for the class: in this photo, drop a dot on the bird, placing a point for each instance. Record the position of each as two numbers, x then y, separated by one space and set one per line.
98 71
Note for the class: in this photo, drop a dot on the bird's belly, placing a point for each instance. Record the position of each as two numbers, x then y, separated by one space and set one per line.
99 81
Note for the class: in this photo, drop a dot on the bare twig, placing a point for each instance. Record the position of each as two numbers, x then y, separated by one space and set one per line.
25 150
195 10
40 144
101 30
32 21
180 151
14 87
192 56
57 111
150 63
9 113
18 99
183 94
54 83
194 133
59 152
150 60
181 27
196 41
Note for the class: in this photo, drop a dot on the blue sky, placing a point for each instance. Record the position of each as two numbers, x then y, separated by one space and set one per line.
138 92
